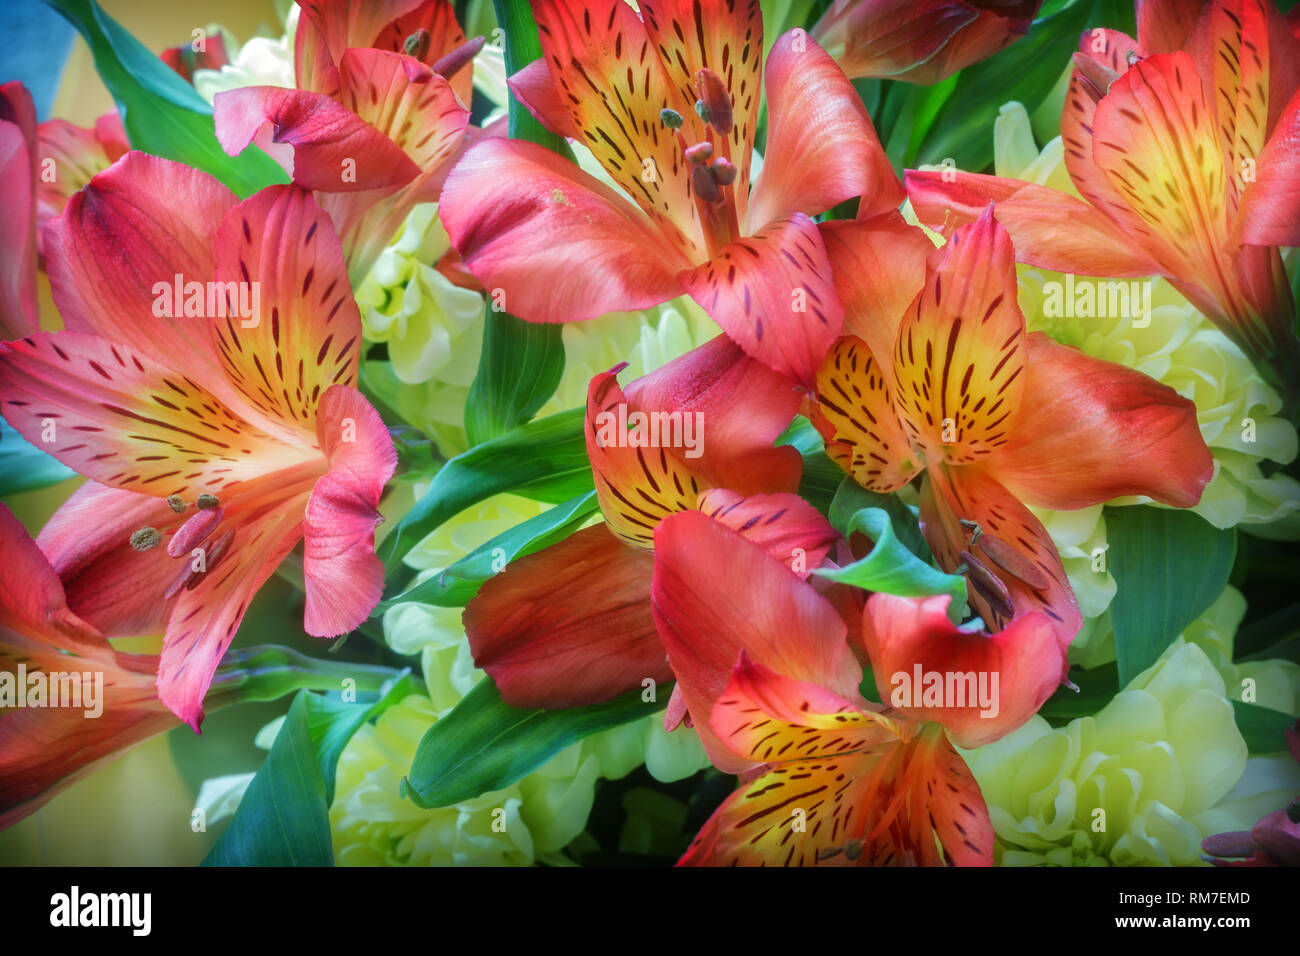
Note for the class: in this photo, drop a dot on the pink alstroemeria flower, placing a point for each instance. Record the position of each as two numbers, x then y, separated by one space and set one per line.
1185 146
257 409
41 166
370 128
564 246
920 41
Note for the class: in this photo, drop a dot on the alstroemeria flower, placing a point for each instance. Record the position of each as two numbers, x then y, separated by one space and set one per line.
257 409
41 165
45 648
374 125
996 419
920 42
564 246
571 624
1185 146
764 666
184 59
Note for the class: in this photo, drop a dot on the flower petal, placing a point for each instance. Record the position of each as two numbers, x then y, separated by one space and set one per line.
864 435
534 87
115 415
1095 431
109 583
772 294
988 684
609 73
1050 229
879 267
445 35
569 625
412 106
19 315
137 226
729 446
344 578
334 150
78 154
527 221
785 526
304 332
821 146
960 354
1270 209
967 493
327 28
715 594
207 615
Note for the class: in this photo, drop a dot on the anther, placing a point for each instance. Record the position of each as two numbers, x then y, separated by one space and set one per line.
987 584
699 154
417 44
716 100
207 501
671 118
724 171
176 503
145 539
705 186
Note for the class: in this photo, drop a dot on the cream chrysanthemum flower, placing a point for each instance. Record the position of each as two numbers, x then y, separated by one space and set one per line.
1143 782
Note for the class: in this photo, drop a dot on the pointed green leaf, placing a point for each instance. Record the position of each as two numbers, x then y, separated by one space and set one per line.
484 744
1168 566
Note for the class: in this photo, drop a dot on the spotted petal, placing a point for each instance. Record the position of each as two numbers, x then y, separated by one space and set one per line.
960 354
772 294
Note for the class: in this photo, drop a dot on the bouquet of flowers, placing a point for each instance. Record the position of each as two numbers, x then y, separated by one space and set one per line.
697 432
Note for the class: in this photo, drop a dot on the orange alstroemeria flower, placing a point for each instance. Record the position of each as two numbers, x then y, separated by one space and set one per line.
571 624
1185 146
764 666
949 385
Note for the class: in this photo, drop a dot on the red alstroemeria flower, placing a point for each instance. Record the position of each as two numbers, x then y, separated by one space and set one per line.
258 409
1188 161
41 167
564 246
374 125
43 749
952 386
920 42
571 625
764 666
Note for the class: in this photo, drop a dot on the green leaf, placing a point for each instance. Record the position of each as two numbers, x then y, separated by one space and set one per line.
23 466
1097 687
485 745
518 370
890 567
458 584
821 477
522 362
1263 727
163 115
1169 566
283 818
545 459
1025 72
851 497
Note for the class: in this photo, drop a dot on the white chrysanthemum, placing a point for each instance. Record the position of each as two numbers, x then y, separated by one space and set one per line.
262 61
1143 782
